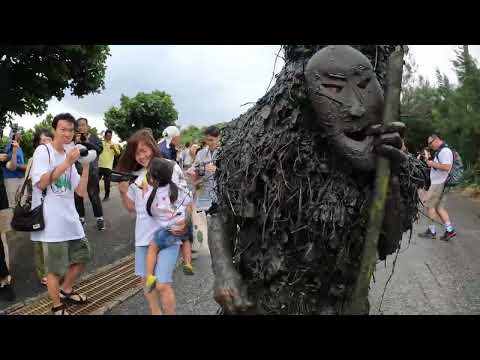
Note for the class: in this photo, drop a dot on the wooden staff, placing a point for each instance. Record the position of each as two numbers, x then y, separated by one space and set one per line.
358 301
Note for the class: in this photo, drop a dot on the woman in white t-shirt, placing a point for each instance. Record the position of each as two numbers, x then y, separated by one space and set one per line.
141 149
170 206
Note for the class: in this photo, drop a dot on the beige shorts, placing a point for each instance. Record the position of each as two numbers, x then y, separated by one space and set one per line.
12 185
5 220
436 197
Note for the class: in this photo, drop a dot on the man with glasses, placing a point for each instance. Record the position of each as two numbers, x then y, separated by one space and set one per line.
91 141
54 181
440 167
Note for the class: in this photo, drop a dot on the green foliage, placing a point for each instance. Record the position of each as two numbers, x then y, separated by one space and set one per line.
3 142
44 124
417 113
28 135
451 111
191 134
154 110
27 144
32 75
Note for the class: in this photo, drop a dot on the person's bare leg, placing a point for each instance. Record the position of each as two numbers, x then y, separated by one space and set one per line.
152 300
432 214
151 258
443 214
167 298
6 250
71 276
433 219
53 288
187 252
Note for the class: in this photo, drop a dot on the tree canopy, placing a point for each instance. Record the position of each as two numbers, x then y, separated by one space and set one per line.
31 75
154 110
451 111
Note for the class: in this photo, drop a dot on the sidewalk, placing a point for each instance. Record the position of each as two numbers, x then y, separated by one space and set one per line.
433 276
194 293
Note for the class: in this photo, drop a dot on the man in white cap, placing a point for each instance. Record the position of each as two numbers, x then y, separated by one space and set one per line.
167 146
171 139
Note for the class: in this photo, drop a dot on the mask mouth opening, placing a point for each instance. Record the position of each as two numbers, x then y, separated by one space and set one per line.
358 135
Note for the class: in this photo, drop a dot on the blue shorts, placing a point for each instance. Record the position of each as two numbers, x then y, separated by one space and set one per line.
164 238
166 261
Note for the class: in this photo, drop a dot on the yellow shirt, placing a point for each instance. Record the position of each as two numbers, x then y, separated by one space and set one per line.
105 159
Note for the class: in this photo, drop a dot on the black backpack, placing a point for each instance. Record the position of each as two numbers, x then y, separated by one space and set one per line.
455 174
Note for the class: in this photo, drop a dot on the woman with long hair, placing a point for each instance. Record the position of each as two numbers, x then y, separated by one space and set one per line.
140 150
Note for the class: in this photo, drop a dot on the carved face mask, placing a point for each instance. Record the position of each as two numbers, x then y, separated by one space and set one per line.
347 99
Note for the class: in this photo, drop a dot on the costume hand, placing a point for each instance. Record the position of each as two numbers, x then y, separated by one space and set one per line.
388 141
230 292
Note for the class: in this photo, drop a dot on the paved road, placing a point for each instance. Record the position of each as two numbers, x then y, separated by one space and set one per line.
431 277
114 243
194 293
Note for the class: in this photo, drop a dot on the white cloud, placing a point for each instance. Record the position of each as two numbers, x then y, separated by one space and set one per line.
431 57
207 83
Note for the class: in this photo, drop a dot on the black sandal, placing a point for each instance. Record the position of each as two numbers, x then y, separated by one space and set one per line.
81 299
60 310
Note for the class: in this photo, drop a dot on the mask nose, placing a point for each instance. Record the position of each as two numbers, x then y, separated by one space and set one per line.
356 106
357 109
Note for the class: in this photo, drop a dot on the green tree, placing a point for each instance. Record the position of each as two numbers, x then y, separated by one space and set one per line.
31 75
154 110
191 134
45 123
27 144
417 109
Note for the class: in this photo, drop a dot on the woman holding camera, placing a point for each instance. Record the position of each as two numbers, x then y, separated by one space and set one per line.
141 149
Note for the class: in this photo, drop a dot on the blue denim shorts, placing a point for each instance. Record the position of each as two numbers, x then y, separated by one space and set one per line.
164 238
166 261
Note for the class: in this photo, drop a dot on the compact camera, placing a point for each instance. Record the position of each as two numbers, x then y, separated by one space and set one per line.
200 168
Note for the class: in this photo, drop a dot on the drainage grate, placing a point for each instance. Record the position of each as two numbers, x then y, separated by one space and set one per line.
101 288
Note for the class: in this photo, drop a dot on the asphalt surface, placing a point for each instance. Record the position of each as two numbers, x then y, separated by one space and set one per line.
109 245
193 293
433 276
430 277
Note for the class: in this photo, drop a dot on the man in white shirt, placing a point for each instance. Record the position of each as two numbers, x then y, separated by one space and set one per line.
203 168
54 181
440 166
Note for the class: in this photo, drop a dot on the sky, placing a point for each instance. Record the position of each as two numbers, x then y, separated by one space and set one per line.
208 84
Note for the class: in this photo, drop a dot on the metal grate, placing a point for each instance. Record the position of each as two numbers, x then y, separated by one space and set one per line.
102 288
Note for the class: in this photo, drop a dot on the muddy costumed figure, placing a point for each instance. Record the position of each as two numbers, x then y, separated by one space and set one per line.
295 177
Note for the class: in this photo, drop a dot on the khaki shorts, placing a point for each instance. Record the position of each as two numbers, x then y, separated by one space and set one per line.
12 185
436 197
58 256
6 216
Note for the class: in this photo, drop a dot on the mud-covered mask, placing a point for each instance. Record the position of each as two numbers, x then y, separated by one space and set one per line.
346 98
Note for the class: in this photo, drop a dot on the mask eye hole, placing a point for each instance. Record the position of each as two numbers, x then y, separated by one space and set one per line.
363 84
333 88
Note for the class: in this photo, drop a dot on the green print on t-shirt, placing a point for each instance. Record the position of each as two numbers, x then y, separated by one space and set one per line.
62 184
